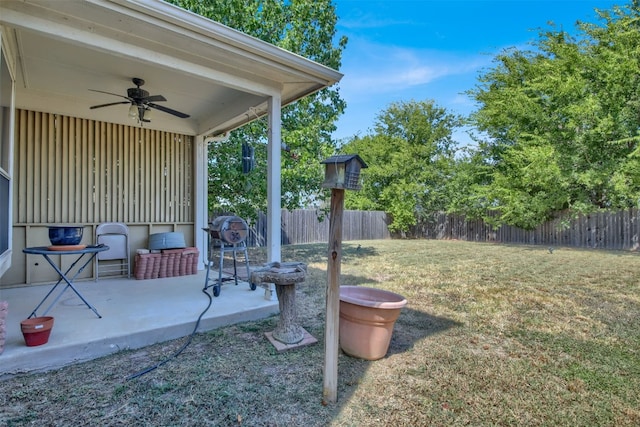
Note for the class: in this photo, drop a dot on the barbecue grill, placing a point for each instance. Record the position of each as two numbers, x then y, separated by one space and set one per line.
229 229
228 234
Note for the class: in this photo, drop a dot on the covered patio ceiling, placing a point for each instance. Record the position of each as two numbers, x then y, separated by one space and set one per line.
218 76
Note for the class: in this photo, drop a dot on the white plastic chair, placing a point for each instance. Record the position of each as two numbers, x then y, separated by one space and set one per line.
116 236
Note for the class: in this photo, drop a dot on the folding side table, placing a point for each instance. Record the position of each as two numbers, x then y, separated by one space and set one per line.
46 252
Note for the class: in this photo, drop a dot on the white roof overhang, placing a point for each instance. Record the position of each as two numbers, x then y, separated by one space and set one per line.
222 78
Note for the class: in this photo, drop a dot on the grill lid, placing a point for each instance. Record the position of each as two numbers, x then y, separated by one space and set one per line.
229 229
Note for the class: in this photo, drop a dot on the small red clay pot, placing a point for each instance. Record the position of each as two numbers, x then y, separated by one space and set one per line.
36 330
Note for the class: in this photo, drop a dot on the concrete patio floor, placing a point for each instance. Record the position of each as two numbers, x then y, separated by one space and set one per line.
135 313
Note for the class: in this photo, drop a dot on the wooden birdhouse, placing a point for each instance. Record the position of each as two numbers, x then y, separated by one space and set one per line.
343 171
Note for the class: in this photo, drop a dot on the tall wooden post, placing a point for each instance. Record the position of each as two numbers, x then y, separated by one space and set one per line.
331 336
342 172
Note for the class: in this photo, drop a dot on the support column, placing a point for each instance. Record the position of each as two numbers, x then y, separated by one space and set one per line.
200 195
274 191
274 180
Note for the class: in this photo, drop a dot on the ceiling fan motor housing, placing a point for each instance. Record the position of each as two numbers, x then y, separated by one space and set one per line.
137 93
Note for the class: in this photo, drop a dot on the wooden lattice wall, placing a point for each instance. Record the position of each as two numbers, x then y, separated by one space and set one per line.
72 170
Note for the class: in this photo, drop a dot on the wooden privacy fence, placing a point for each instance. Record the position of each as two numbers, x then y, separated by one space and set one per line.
603 230
303 226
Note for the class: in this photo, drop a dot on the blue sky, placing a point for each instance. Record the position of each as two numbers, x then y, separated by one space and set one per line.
434 49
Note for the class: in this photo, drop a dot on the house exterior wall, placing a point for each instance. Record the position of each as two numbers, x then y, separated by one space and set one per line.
7 110
78 171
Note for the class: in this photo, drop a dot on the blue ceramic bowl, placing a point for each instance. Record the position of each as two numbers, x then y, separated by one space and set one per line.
65 234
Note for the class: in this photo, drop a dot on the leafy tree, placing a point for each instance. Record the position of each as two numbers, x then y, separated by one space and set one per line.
472 173
410 157
305 27
563 121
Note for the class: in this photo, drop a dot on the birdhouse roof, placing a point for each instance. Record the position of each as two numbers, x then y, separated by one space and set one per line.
344 158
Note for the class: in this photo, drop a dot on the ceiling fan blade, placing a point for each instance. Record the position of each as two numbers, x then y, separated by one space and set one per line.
153 98
109 93
168 110
109 104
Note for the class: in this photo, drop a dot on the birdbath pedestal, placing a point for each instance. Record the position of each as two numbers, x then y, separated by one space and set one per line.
284 276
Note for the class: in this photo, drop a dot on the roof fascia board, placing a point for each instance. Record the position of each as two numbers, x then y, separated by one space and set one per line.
214 30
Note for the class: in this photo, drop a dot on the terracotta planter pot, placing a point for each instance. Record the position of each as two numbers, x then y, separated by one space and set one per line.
36 330
367 318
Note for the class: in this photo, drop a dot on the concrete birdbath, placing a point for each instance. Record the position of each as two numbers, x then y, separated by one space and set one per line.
284 276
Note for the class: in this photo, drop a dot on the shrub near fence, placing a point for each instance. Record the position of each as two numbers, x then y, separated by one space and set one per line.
601 230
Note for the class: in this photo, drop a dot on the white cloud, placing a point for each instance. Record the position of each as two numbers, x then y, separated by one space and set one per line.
371 68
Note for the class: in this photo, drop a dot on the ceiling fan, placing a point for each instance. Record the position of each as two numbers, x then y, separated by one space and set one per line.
141 102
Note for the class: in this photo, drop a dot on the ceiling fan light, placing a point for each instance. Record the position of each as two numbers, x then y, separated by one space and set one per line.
133 112
148 115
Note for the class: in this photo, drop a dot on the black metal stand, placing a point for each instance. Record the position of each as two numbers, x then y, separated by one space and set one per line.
224 248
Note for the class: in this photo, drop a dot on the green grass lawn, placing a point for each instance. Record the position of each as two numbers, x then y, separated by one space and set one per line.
492 335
